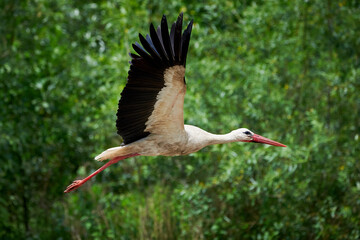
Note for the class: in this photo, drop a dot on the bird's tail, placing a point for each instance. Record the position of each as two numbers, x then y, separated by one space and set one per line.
111 153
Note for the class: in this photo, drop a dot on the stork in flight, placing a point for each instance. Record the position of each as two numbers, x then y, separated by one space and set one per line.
150 112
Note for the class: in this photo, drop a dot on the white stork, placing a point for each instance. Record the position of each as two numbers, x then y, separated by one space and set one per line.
150 114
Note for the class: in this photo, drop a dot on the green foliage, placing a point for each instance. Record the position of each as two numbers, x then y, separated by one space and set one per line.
288 70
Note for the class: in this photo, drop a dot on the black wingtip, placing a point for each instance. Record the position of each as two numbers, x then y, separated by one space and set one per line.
191 24
179 20
167 48
163 20
185 40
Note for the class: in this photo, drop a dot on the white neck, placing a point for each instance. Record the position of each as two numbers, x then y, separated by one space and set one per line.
197 138
200 137
221 138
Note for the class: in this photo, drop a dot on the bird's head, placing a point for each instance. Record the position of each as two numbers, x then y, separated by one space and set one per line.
245 135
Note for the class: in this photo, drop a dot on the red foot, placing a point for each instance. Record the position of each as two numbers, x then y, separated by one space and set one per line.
74 185
78 183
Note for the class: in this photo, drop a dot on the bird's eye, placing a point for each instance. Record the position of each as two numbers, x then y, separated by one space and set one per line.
247 133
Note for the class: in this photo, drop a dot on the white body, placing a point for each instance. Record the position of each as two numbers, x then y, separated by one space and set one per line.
192 139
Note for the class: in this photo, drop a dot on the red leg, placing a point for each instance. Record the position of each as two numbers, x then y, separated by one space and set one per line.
78 183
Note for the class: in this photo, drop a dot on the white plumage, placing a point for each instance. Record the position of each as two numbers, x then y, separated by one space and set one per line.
150 115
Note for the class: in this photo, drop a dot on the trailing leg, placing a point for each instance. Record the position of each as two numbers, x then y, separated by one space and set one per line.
78 183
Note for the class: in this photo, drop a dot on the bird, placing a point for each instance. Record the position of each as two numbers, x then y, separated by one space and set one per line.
150 110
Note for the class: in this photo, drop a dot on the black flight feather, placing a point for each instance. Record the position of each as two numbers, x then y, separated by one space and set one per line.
185 40
172 34
157 52
148 39
166 39
157 44
150 49
177 37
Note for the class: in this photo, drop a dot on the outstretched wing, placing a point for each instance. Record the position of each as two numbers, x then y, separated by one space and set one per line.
152 100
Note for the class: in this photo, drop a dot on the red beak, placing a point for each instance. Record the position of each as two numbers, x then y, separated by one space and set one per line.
261 139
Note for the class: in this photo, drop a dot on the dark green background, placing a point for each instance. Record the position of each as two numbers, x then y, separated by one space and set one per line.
288 70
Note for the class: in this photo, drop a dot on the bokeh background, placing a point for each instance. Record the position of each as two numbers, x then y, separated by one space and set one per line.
288 70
